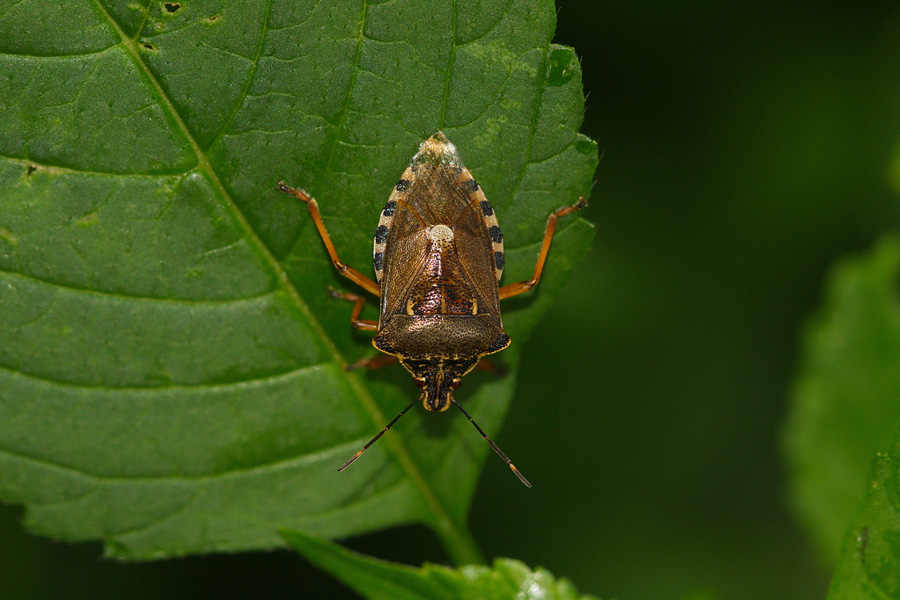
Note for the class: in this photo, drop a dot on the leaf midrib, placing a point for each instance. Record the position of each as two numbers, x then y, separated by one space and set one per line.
458 541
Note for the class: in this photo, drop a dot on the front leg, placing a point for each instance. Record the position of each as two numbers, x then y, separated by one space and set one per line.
347 271
514 289
377 362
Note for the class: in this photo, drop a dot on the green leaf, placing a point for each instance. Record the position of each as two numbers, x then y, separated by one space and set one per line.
846 396
378 579
869 564
171 368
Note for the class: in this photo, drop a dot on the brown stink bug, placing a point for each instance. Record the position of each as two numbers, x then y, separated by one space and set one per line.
438 260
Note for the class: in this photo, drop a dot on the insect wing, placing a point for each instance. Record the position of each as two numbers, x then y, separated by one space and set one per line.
405 249
437 189
475 248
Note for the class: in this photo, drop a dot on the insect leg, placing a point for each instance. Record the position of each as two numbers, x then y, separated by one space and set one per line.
346 271
486 364
377 362
360 301
514 289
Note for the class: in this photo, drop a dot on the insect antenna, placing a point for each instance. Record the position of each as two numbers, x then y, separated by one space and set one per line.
488 440
381 433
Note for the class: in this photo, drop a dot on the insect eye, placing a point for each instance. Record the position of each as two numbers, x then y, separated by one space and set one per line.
419 381
456 383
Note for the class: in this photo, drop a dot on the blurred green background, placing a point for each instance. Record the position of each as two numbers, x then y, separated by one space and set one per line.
745 148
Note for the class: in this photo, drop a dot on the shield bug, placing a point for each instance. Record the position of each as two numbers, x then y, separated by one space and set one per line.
438 257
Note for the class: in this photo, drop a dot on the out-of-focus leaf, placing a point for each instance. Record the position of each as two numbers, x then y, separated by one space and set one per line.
869 564
171 369
378 579
847 395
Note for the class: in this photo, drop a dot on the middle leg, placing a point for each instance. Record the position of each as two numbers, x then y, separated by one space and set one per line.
360 301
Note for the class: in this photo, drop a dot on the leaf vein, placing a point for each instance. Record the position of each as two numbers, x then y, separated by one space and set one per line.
135 297
63 169
532 129
58 56
180 510
239 102
442 120
345 108
154 389
492 27
275 465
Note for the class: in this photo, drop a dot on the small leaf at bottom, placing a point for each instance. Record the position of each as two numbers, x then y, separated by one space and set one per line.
869 565
377 579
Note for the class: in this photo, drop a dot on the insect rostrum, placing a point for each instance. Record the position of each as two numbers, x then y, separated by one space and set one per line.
438 257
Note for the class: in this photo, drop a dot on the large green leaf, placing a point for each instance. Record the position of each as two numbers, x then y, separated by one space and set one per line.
847 395
171 369
869 564
376 579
